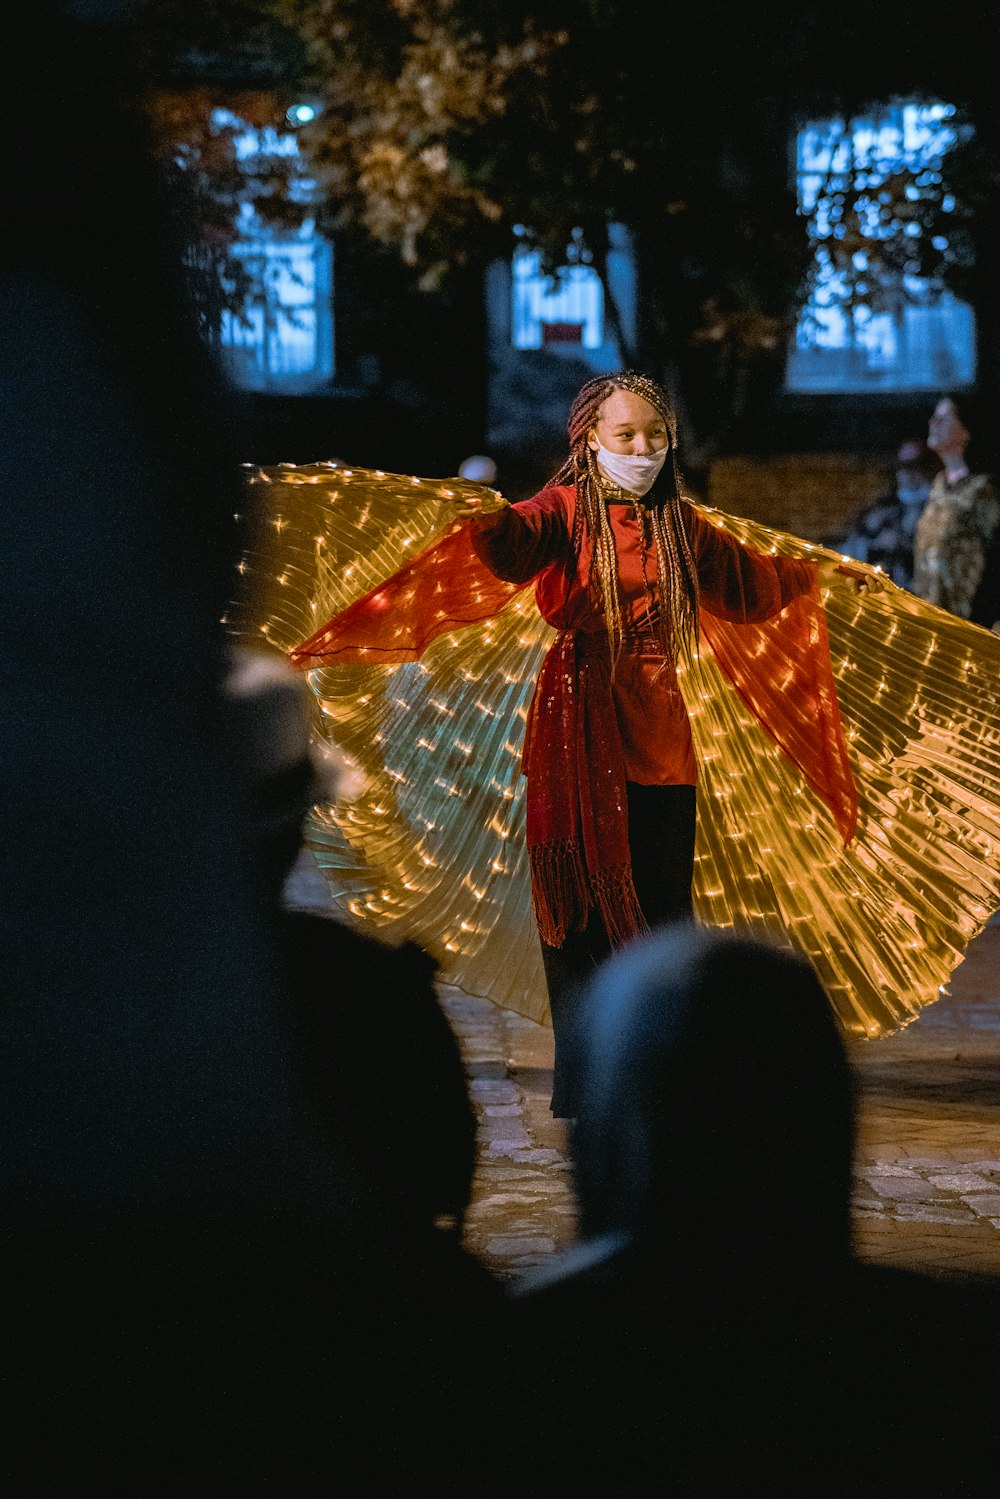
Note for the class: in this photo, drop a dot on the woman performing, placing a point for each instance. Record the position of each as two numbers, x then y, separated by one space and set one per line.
849 786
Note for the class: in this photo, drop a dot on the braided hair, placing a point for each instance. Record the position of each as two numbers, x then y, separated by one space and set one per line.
676 575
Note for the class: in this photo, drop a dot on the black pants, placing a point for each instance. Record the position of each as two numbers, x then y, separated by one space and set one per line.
661 831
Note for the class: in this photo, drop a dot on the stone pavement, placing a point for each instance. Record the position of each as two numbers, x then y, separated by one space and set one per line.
927 1168
927 1165
927 1172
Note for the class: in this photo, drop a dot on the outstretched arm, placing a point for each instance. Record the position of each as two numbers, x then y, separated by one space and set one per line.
745 586
517 541
738 583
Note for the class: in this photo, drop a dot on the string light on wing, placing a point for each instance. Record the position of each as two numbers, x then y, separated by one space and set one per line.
433 847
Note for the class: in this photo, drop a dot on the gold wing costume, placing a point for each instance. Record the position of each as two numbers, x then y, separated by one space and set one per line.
433 848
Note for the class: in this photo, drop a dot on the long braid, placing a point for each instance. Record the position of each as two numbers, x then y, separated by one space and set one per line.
676 573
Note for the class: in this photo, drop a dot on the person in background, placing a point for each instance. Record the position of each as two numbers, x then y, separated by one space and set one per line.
141 1062
956 562
384 1085
883 533
415 1135
203 1290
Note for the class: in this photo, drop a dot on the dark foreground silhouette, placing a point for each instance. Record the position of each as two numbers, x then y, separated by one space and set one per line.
712 1332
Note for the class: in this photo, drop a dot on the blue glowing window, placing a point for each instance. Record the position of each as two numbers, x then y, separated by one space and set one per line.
562 310
281 338
875 320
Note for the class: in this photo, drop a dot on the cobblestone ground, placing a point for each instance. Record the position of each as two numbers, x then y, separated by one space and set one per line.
523 1208
927 1172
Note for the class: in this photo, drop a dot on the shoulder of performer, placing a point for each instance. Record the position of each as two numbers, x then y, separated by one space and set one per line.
554 497
695 522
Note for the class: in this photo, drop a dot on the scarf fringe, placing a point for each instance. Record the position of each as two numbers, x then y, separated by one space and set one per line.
560 890
563 896
615 898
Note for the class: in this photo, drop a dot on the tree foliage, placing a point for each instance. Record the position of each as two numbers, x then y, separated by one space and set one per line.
441 124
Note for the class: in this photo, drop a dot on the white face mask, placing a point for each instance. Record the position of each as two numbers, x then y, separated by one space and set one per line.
636 472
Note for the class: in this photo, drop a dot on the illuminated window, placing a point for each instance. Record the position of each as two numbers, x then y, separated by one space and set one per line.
280 335
565 309
875 318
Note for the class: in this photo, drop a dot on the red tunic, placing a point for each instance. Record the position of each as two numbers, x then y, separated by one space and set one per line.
533 539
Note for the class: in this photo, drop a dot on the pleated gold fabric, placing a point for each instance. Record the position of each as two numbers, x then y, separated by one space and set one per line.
433 847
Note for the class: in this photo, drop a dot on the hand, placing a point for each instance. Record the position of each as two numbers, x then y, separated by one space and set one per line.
862 579
473 503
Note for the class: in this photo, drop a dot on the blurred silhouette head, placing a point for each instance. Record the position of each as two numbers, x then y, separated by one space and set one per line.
716 1105
284 772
